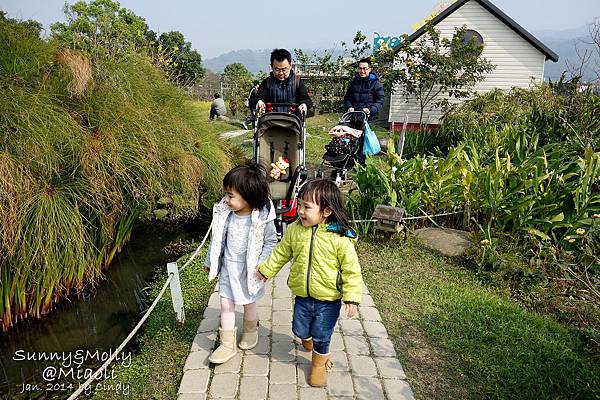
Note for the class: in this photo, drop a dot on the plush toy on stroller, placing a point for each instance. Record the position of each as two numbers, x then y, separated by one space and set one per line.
345 147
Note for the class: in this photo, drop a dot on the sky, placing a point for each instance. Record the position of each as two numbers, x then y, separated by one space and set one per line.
217 27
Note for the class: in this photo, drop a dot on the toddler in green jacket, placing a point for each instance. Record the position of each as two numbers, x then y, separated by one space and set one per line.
325 271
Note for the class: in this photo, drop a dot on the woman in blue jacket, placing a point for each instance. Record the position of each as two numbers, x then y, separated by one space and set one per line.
364 91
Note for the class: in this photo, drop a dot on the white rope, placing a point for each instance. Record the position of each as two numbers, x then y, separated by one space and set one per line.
198 249
408 218
100 371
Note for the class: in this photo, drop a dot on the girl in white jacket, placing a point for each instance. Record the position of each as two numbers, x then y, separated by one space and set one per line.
243 236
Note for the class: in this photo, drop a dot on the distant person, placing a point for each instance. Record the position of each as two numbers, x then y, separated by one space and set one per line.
282 85
251 118
217 108
243 236
365 92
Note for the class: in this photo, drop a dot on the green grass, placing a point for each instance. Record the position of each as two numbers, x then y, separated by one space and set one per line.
458 339
88 141
156 371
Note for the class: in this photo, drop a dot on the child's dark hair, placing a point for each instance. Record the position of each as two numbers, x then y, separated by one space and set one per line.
326 194
250 180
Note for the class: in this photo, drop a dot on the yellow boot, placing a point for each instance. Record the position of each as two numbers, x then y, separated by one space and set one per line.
318 371
250 335
307 344
227 349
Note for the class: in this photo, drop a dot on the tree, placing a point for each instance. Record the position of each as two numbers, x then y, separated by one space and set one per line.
30 26
101 25
238 81
430 68
176 56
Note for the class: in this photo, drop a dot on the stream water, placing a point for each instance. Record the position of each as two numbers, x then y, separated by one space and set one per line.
89 327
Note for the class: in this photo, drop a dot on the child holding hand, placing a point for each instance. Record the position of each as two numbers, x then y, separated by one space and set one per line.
325 271
243 236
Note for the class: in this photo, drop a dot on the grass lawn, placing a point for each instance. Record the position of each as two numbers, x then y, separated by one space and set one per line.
459 340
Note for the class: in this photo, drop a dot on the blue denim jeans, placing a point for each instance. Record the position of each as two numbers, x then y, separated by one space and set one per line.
315 318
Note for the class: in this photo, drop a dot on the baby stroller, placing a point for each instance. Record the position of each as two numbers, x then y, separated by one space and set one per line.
279 139
345 147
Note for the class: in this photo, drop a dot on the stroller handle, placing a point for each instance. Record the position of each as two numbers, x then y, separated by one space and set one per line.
293 107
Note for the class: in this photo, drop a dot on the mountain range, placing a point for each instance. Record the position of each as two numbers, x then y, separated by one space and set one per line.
563 42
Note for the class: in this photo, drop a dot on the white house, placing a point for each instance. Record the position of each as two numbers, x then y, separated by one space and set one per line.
518 56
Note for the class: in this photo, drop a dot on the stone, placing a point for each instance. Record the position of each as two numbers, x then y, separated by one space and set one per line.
369 314
209 325
224 386
194 381
283 391
367 301
368 388
197 360
398 389
256 365
340 361
375 329
282 372
390 368
231 366
351 327
253 387
357 345
204 341
262 347
282 304
281 317
339 384
362 366
283 351
449 242
313 393
382 347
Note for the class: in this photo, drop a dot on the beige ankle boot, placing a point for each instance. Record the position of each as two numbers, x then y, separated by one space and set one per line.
227 349
318 371
250 335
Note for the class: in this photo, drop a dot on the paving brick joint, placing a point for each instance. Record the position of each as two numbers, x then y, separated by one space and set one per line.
365 362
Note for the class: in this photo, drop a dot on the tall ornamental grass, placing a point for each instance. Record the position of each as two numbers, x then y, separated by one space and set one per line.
87 146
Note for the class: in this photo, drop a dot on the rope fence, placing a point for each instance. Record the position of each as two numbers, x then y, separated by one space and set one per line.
99 373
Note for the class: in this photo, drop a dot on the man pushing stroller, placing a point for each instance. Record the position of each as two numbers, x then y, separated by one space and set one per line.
282 86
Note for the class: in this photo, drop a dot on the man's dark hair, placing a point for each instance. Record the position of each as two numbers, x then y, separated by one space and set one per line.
256 82
250 180
217 95
365 60
280 55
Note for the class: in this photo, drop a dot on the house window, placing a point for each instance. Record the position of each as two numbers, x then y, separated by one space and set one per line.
469 35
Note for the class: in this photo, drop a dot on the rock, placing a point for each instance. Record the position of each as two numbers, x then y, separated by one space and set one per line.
449 242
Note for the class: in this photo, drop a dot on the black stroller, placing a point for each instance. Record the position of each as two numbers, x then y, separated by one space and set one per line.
282 136
345 147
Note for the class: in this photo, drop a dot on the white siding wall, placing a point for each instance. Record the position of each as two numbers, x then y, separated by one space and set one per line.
518 63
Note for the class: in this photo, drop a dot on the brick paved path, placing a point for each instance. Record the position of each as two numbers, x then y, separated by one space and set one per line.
365 363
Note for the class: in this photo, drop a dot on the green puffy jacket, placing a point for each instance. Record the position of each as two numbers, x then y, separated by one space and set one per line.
325 265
